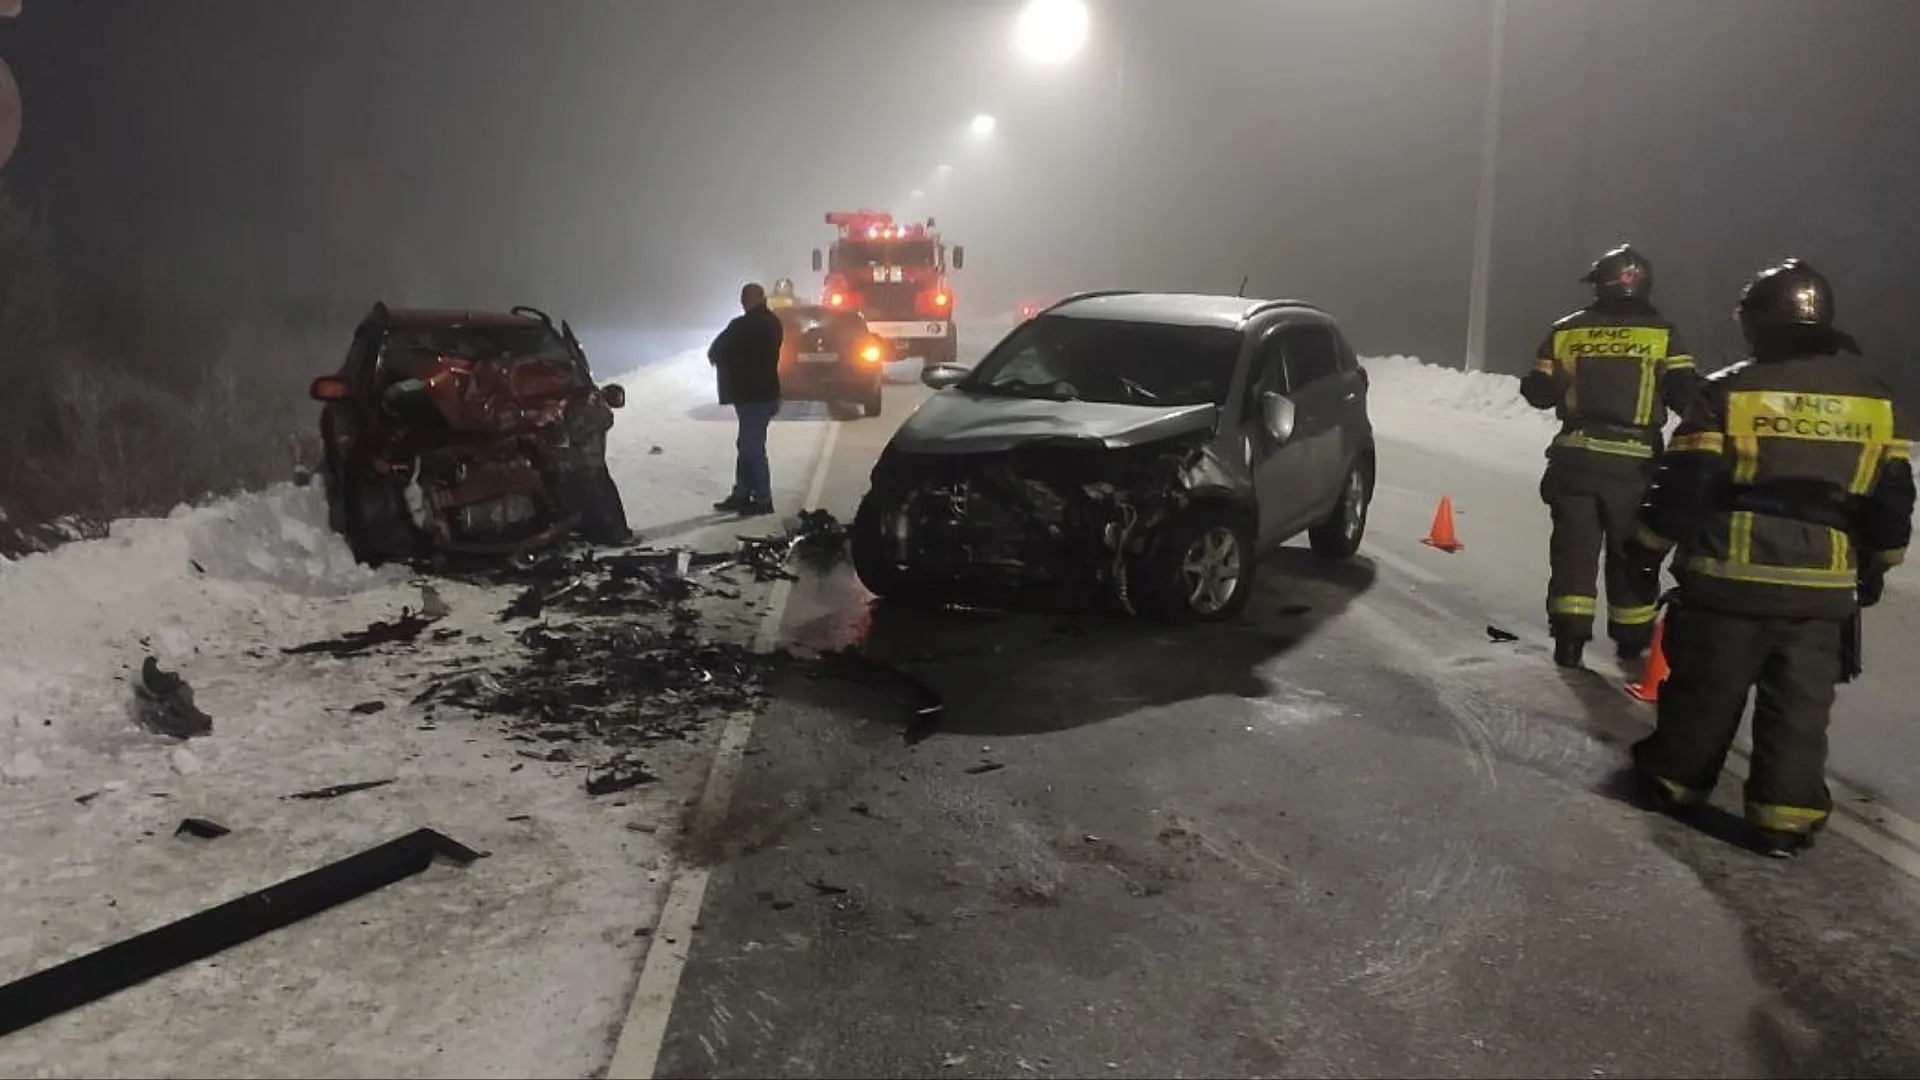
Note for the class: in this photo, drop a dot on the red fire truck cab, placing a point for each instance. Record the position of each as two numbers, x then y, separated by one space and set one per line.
895 275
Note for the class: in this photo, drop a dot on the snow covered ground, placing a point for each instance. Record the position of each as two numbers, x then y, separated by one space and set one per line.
518 965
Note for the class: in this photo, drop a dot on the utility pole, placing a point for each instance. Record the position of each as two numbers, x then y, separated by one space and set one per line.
1476 358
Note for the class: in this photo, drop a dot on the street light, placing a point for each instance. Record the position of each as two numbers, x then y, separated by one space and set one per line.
983 126
1051 31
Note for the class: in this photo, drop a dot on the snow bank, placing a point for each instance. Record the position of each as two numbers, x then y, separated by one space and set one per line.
1409 382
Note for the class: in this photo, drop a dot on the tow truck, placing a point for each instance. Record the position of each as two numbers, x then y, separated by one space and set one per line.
894 274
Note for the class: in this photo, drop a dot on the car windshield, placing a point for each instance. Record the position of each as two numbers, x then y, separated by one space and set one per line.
1061 358
481 342
805 320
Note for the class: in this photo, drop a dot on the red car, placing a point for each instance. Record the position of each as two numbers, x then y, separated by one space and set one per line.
466 431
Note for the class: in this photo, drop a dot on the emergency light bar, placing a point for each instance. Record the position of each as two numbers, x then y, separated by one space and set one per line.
875 225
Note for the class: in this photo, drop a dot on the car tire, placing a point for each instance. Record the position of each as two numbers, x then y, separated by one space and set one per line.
332 474
881 577
843 410
872 405
377 528
1200 568
603 516
1339 536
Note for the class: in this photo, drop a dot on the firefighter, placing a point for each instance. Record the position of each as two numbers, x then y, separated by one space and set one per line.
782 294
1788 496
1611 371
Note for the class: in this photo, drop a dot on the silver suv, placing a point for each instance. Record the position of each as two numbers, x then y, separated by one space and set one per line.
1146 448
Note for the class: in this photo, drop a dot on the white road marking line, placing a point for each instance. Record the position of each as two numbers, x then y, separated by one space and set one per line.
636 1053
1395 489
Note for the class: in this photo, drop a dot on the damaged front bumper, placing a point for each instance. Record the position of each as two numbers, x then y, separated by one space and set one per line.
1068 515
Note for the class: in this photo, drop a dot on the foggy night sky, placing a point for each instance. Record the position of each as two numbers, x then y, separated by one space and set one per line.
633 160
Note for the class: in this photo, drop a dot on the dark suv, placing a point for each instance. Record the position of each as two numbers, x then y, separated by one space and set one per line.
832 356
1148 446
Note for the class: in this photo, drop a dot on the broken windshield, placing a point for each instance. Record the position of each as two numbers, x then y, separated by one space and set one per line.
1111 361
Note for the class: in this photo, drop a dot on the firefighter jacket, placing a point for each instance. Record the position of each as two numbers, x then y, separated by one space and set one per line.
1611 371
1786 483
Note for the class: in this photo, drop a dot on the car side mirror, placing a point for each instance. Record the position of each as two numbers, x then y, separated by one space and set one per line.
959 256
329 388
816 260
941 376
614 395
1277 415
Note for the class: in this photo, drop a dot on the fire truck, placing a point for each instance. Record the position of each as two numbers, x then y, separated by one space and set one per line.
894 274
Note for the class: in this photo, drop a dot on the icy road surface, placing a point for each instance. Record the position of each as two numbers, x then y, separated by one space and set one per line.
1351 836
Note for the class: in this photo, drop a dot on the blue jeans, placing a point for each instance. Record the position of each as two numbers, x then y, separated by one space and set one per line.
751 479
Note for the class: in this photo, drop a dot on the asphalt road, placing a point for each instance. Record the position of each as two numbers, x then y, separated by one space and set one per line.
1348 836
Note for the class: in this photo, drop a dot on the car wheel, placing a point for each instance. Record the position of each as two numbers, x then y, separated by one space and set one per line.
377 526
841 410
332 475
1339 536
882 576
873 403
603 517
1201 567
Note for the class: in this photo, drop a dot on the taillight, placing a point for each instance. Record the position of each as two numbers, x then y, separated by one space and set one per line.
941 299
871 354
836 299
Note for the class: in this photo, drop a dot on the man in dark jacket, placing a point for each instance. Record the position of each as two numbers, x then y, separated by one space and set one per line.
1788 493
1611 371
746 359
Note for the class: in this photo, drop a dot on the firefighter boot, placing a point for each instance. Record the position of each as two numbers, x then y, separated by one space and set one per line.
1568 652
1782 845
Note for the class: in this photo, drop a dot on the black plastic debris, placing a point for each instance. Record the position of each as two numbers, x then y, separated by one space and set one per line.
985 767
163 703
201 827
406 628
87 798
338 790
128 963
657 450
622 776
368 708
1494 633
825 889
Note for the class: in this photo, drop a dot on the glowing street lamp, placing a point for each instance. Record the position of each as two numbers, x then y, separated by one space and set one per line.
983 126
1051 31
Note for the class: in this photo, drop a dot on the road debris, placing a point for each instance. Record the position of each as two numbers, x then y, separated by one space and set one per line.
985 767
1496 634
163 703
338 790
825 889
620 776
203 828
404 629
86 979
368 708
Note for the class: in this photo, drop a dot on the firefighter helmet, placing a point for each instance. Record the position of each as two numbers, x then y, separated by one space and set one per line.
1621 274
1790 294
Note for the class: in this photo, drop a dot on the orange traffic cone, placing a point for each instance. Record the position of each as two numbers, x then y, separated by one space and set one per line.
1442 534
1648 688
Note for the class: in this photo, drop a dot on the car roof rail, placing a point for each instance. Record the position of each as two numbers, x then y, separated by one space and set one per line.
1269 305
1093 294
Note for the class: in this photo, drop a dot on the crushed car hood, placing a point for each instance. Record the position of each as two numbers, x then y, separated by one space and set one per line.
956 422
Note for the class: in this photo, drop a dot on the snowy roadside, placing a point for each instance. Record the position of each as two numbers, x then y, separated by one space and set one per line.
520 964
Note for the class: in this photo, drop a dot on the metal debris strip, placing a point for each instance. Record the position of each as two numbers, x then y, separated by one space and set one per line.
404 629
86 979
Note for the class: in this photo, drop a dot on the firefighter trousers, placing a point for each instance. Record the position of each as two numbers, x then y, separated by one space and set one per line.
1716 658
1594 513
